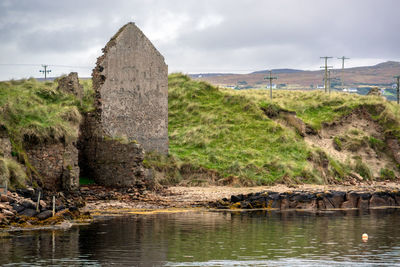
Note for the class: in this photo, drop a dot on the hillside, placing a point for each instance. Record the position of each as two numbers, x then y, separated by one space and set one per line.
36 112
223 136
380 74
227 136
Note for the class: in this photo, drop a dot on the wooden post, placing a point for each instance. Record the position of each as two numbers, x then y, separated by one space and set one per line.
6 188
54 205
38 203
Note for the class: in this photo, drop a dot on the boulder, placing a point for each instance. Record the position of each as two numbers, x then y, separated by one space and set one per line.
45 214
237 198
29 204
285 204
28 212
378 201
3 198
337 199
8 213
363 204
17 207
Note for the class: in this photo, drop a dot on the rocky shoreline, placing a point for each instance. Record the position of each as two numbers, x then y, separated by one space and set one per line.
24 208
305 200
20 209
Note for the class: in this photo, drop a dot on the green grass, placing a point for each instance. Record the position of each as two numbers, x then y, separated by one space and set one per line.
33 111
230 134
36 110
316 108
227 131
86 181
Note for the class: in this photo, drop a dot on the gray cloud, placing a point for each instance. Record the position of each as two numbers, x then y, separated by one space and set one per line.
200 36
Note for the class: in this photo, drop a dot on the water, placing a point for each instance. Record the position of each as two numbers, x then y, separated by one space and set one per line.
214 239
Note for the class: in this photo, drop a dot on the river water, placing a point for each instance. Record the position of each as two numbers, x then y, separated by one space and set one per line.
258 238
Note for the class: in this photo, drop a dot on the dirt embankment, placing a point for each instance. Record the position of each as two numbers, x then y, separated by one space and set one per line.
357 138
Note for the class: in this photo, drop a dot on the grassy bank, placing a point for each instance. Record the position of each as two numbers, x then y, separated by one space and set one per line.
36 111
226 132
216 135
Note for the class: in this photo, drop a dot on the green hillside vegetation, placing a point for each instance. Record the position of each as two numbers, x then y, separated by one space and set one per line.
36 111
217 136
225 135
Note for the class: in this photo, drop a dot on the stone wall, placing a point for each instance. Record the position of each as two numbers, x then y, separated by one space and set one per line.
131 111
5 144
70 85
111 162
131 84
56 164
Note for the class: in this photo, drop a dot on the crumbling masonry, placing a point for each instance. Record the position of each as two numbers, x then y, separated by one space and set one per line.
131 116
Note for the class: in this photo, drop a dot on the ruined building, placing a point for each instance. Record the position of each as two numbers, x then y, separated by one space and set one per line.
131 116
130 81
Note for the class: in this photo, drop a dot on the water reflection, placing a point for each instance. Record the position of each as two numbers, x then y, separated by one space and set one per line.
215 239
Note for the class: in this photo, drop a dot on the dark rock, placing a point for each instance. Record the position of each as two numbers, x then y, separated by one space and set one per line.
73 208
60 208
397 200
321 204
18 208
8 213
10 199
28 212
246 205
258 204
45 214
3 198
337 199
327 203
273 204
309 205
352 198
285 204
348 205
363 203
29 204
26 192
377 201
237 198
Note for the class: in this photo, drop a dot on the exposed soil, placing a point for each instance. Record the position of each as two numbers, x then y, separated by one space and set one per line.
361 124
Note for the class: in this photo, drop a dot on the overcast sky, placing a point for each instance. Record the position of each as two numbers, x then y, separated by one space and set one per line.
199 35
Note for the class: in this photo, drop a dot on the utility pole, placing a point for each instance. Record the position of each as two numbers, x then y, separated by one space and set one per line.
398 90
326 72
45 71
329 81
270 78
343 58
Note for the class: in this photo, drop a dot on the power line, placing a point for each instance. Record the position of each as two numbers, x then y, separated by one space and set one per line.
34 65
270 78
398 90
343 58
45 71
326 72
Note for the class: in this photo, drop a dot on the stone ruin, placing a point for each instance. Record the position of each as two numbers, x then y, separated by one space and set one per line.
130 81
70 85
131 110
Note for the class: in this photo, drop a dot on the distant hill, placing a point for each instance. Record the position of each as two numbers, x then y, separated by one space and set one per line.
201 75
277 71
377 75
